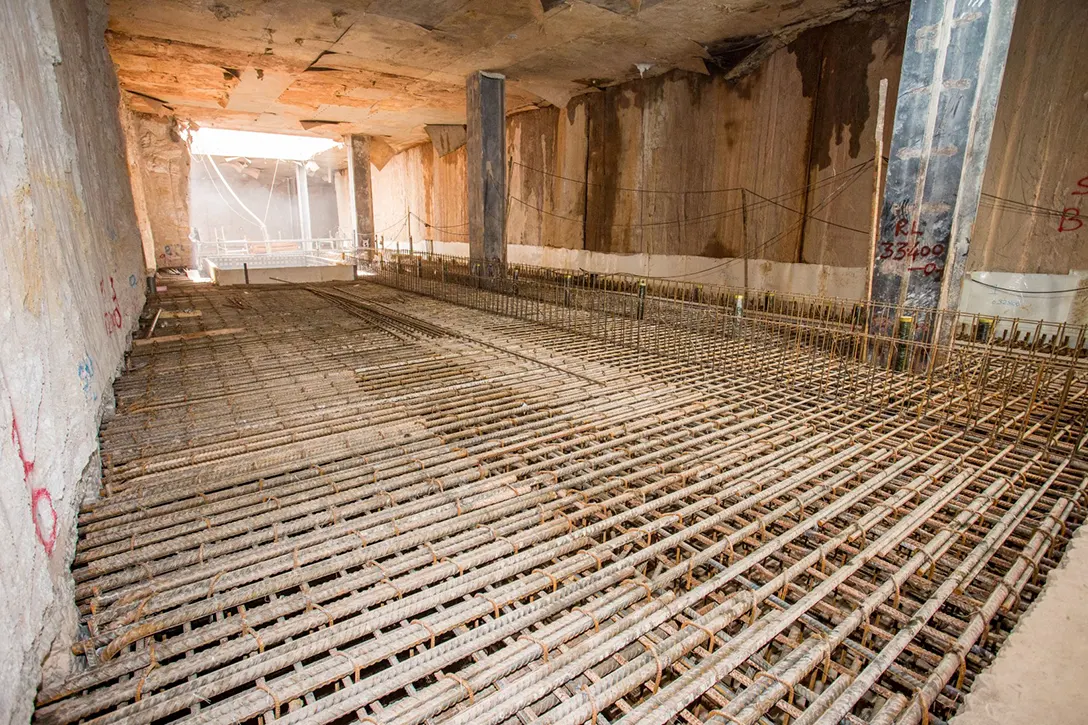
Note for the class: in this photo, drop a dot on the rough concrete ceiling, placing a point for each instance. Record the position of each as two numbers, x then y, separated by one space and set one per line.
389 67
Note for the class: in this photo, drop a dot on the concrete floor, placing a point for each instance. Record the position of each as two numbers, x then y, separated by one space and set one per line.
1041 673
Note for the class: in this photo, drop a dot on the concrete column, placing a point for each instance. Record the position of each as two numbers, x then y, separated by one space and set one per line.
953 63
361 193
486 149
345 208
303 183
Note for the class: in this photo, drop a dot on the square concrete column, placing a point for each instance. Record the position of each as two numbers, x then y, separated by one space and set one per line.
953 64
486 148
302 181
361 193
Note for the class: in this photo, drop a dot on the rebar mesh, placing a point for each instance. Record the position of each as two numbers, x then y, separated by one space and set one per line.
598 505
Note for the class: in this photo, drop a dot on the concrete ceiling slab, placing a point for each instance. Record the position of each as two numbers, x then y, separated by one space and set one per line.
389 68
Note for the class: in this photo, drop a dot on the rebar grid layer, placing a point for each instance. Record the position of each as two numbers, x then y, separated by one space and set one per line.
873 354
368 506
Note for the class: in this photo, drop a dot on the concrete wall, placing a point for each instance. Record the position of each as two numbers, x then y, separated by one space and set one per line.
656 167
1038 165
134 161
653 169
71 289
163 158
405 198
345 209
797 277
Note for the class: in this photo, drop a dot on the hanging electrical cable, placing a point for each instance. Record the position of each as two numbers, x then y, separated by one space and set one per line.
271 191
257 219
226 202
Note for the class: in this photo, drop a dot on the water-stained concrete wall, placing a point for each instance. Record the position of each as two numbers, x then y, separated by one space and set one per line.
669 157
71 291
656 167
1034 212
841 66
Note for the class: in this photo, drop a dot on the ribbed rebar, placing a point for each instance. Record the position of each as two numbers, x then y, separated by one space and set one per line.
563 501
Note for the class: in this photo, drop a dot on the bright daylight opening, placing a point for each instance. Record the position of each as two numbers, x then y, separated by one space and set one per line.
252 144
264 201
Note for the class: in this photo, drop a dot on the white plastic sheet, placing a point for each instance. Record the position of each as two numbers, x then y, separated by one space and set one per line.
1047 297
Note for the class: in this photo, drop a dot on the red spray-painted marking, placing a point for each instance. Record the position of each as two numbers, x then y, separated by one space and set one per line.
41 507
113 317
41 503
17 441
1070 220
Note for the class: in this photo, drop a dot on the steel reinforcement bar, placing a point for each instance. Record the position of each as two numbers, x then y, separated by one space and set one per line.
598 505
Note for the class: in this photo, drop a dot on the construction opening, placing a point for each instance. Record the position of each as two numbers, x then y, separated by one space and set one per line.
621 362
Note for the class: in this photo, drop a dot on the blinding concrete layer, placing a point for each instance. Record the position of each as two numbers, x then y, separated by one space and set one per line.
71 289
763 274
1040 671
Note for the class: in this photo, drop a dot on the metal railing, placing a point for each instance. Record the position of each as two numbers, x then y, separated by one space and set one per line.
233 247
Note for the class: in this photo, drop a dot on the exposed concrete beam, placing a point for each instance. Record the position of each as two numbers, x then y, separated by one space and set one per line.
380 153
361 193
487 170
446 138
953 62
